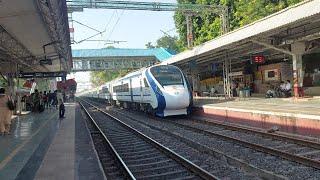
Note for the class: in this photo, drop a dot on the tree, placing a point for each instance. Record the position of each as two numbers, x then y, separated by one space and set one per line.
149 45
98 78
206 26
170 43
2 82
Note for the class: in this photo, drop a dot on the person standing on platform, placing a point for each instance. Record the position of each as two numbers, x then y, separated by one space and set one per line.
9 115
60 104
5 112
49 98
45 99
288 88
36 101
41 100
54 98
234 87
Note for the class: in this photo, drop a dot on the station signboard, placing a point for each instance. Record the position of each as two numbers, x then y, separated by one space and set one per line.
41 74
238 73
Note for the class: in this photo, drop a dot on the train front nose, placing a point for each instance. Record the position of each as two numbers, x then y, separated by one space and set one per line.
176 97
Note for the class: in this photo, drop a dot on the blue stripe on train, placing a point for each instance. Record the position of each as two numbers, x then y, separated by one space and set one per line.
132 95
160 98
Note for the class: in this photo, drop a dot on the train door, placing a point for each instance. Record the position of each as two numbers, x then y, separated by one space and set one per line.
141 89
131 89
111 94
146 91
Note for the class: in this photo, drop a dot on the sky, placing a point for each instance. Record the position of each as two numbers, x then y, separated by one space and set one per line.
137 28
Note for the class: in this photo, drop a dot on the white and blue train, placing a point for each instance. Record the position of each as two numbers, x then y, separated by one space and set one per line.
162 90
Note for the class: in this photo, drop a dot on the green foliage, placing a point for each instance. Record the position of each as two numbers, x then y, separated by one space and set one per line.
42 84
206 26
169 42
100 77
149 45
2 82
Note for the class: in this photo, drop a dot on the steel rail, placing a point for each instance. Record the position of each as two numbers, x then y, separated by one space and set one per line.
202 148
272 151
275 152
295 140
183 161
128 174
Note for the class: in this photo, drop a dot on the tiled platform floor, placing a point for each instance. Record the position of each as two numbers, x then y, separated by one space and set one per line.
27 133
42 146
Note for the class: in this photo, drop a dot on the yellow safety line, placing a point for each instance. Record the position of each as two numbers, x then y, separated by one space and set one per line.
16 150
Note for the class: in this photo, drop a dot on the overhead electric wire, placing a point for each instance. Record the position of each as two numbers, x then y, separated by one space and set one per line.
114 26
107 24
89 38
114 12
99 32
87 26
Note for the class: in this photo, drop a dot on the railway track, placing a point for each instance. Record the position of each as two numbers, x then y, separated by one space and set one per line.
271 167
136 155
113 165
263 173
294 149
290 148
219 158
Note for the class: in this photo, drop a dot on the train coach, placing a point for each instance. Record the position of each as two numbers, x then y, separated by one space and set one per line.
162 90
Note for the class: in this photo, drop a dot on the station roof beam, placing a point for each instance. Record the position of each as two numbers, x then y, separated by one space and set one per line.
273 34
26 27
292 32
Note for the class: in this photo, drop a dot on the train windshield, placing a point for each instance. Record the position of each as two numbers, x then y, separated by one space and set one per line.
167 75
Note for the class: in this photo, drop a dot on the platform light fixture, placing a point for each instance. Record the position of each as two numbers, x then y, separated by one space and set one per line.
46 60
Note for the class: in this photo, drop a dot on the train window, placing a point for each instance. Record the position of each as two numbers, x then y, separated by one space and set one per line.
167 75
121 88
105 90
145 82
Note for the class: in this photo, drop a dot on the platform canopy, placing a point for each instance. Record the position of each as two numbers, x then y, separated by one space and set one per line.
117 58
35 35
272 36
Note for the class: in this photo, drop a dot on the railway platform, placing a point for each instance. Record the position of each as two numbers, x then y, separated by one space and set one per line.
300 116
42 146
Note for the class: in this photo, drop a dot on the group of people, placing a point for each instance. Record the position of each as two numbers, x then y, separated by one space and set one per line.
36 102
5 112
236 87
283 90
40 101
